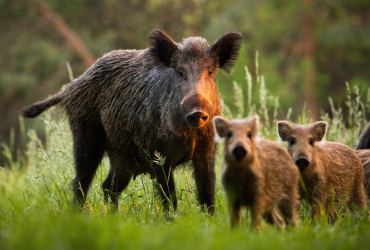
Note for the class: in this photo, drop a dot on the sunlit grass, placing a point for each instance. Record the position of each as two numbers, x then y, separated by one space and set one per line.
36 211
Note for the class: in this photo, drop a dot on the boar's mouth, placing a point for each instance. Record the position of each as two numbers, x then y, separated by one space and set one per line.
302 163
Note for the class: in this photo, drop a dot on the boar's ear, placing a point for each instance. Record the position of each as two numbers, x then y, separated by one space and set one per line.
284 130
226 50
220 125
255 122
318 130
161 47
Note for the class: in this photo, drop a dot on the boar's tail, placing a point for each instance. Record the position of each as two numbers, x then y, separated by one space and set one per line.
39 107
364 142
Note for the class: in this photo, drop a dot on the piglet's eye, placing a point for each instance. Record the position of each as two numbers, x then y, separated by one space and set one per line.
180 74
229 135
210 73
292 141
250 134
311 142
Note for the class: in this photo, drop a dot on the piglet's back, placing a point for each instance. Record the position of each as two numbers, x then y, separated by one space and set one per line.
272 153
277 164
343 168
338 156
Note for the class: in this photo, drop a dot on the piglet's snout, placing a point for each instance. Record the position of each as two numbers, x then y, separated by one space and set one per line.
302 162
239 152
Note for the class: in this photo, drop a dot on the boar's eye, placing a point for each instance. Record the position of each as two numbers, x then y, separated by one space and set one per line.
229 135
250 134
311 141
292 141
180 74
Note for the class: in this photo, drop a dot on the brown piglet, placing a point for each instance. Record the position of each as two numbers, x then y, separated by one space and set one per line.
332 174
363 152
257 174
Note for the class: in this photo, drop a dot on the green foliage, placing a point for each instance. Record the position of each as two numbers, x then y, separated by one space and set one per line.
35 193
34 55
36 210
275 29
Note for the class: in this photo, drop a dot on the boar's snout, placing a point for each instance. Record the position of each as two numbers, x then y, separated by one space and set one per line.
302 163
197 119
239 152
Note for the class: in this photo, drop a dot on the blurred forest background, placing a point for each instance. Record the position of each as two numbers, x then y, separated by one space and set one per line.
307 49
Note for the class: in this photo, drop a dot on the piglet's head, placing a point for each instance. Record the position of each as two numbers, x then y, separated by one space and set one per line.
240 137
302 140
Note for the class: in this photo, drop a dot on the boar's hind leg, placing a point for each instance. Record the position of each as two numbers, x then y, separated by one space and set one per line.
118 177
88 147
167 188
115 184
205 179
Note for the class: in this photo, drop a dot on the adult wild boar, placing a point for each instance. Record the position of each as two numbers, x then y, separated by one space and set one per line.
158 99
330 170
363 152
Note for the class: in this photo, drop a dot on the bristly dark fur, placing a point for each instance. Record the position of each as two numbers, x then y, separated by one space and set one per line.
230 41
39 107
133 100
363 152
161 47
364 142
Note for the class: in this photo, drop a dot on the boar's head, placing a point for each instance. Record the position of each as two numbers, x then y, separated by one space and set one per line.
193 65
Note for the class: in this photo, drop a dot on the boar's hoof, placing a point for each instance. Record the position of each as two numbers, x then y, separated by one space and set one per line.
197 119
239 153
302 163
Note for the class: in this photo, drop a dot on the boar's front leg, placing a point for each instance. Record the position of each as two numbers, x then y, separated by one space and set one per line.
166 181
205 178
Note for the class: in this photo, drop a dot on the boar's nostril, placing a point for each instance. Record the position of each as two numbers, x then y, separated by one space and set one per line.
197 119
302 163
239 153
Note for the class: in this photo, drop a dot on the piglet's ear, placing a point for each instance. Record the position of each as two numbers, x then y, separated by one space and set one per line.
255 123
318 130
161 47
221 126
226 50
284 130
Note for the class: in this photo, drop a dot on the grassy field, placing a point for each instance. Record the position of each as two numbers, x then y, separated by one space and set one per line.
36 210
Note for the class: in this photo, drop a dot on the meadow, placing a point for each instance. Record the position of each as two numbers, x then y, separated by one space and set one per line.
36 211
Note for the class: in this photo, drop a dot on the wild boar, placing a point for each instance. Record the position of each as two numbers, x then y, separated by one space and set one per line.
364 155
332 174
157 99
363 152
257 174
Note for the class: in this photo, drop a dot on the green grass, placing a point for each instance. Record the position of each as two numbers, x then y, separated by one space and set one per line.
36 210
